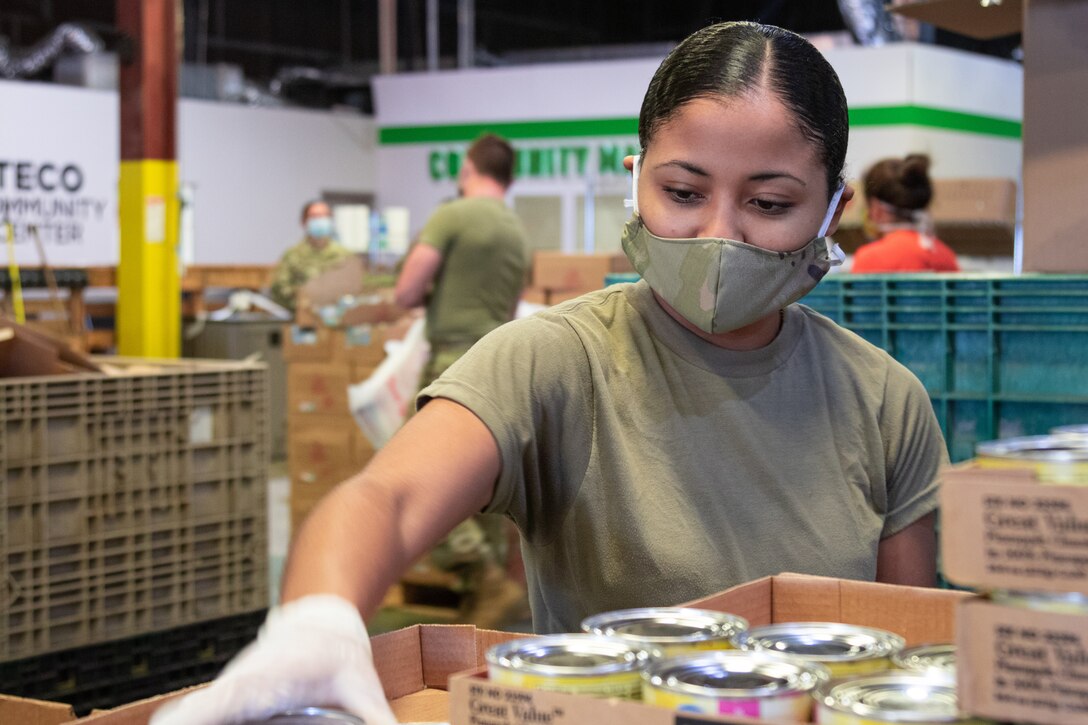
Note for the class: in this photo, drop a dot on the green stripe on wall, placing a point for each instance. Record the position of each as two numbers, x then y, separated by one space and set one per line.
865 116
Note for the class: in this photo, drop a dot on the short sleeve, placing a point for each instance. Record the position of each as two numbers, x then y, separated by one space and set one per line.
530 384
441 228
915 450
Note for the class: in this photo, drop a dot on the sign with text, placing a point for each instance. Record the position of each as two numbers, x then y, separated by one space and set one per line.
58 174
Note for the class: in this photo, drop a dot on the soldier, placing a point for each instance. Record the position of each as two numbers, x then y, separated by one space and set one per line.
316 253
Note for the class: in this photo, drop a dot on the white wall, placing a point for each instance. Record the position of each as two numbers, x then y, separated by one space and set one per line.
252 169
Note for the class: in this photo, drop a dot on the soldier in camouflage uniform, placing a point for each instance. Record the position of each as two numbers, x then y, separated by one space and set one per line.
316 253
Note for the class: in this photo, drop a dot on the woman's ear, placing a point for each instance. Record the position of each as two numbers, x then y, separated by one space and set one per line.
847 195
629 162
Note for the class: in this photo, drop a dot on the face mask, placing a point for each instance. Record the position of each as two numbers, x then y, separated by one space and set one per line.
720 285
319 227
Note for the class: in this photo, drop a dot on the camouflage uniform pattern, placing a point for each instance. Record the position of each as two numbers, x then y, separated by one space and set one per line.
299 265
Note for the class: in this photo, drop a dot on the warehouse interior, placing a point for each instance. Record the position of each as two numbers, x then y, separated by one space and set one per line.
343 324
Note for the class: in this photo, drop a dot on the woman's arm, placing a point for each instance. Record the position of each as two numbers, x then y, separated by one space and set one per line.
437 471
910 555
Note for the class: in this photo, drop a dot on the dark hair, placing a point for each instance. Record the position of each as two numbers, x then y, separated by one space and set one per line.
494 157
730 59
901 183
310 203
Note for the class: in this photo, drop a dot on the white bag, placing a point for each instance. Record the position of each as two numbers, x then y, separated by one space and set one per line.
380 404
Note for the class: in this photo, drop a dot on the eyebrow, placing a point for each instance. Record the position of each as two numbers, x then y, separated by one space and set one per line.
699 171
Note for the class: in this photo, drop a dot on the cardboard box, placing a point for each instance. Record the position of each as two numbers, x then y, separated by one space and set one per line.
534 296
919 615
559 271
1005 530
322 388
21 711
1022 665
321 450
307 343
414 665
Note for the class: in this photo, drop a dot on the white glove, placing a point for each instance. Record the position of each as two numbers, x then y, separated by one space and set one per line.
313 651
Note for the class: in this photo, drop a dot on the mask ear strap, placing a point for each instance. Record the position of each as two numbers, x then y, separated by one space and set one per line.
632 203
834 252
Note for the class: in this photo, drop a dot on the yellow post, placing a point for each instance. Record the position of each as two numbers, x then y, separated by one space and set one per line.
148 279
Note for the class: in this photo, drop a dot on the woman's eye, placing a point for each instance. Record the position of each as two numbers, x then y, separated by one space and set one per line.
683 196
771 207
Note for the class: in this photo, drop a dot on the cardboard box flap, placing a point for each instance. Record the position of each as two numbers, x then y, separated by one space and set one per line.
136 713
398 658
967 17
447 649
430 706
33 712
928 618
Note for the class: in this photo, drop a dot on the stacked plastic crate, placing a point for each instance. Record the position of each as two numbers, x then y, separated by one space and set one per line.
131 503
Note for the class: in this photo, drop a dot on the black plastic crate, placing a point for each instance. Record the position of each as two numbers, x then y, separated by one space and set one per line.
121 671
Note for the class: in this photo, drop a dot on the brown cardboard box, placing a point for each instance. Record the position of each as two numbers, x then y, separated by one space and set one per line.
559 271
322 388
1005 530
414 665
919 615
534 296
1022 665
307 343
21 711
320 450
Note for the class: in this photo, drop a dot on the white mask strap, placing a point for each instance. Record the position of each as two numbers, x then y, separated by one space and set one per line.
632 203
835 255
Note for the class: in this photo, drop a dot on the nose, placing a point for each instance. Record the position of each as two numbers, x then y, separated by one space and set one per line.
722 221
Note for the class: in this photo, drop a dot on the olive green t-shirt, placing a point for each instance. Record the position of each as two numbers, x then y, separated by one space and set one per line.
484 261
646 467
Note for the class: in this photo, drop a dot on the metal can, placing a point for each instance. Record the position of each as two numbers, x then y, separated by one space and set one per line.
927 658
845 649
311 716
888 699
748 684
669 631
1054 602
1056 460
583 664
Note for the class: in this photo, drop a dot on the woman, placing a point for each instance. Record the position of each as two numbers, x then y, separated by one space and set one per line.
897 193
653 442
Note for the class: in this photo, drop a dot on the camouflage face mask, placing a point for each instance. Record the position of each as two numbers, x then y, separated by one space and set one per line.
720 285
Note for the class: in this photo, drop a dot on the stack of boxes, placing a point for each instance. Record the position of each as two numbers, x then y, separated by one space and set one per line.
1021 657
324 443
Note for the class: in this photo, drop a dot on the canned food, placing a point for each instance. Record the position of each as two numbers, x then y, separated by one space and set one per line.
311 716
1057 603
927 658
749 684
844 649
731 683
578 663
889 698
669 631
1057 460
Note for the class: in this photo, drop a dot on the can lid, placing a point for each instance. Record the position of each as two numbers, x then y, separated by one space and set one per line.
735 674
664 625
822 641
927 657
1047 449
568 655
312 716
906 697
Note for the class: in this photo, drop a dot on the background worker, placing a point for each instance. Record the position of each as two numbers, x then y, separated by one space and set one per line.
316 253
657 441
468 267
897 194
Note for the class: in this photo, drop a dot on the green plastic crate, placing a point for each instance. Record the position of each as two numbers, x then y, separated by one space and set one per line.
1000 355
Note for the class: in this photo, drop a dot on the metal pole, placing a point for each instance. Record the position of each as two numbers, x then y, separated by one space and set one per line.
432 35
466 33
387 36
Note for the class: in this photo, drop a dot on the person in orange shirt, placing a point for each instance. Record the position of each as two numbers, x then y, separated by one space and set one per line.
897 192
